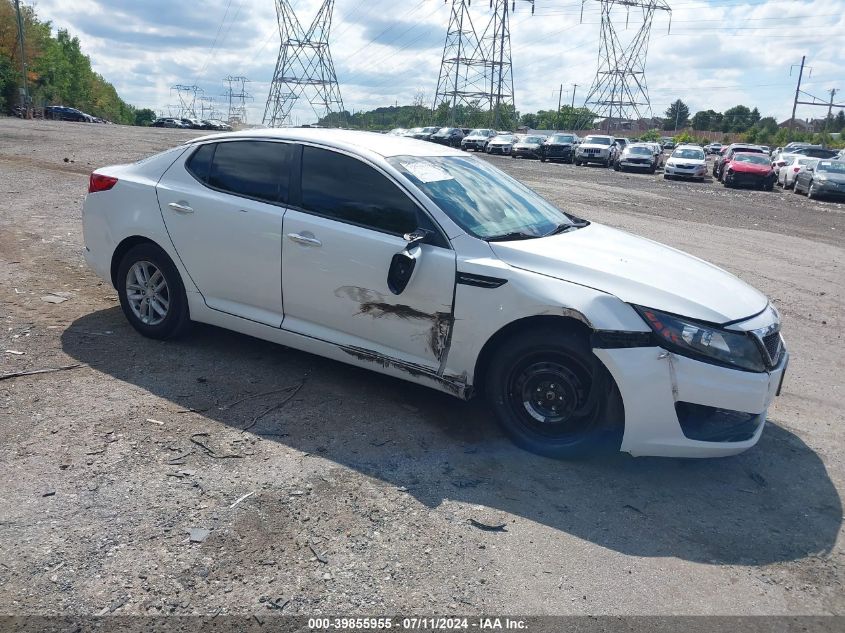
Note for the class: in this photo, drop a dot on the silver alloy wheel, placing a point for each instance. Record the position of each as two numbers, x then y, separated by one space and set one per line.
147 293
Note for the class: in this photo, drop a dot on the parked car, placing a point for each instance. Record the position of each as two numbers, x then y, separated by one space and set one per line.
713 148
669 144
621 143
687 161
529 146
596 148
477 139
65 113
658 154
822 178
412 132
418 262
168 122
635 156
560 147
816 152
840 155
397 131
786 173
727 154
780 159
451 136
749 169
425 134
502 144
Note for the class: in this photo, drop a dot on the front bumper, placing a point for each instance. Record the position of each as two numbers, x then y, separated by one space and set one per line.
559 153
635 165
584 157
473 144
653 382
527 153
743 179
499 149
686 172
825 188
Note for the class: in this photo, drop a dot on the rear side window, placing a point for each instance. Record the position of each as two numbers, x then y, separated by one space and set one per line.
254 169
200 161
344 188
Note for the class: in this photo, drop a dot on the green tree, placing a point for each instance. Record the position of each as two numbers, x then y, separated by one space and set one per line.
651 135
840 121
737 119
144 116
677 116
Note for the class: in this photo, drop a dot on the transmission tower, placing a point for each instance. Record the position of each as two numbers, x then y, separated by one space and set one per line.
237 96
208 108
476 70
187 100
619 92
304 67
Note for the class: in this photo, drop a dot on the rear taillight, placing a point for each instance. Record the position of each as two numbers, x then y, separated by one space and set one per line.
99 182
795 170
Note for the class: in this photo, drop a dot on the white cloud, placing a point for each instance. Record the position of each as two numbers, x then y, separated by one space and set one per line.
718 54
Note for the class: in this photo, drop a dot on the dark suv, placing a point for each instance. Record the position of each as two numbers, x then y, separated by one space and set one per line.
451 136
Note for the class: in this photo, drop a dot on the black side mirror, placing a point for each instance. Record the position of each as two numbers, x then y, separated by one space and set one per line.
402 264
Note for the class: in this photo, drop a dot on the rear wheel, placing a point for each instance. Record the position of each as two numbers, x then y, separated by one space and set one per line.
552 396
151 292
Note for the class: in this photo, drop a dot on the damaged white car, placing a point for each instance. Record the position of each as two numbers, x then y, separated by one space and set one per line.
418 261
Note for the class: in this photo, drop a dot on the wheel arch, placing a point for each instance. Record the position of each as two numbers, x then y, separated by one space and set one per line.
576 322
123 248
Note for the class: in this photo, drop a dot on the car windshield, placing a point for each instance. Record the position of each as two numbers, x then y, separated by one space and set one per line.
597 140
481 199
563 138
834 166
429 130
533 139
752 158
479 133
444 130
505 138
689 153
639 150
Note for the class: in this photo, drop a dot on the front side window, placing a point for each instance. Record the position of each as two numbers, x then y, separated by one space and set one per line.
344 188
254 169
481 199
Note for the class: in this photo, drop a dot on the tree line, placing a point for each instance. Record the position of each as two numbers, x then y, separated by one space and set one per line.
58 72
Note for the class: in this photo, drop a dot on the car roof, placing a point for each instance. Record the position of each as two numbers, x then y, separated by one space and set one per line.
350 140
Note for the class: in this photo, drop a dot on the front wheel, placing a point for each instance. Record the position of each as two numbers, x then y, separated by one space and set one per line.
577 163
811 191
151 292
552 396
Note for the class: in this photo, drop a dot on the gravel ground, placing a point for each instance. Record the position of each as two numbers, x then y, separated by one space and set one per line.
361 486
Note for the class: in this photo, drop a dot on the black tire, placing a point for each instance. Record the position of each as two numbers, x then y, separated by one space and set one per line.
176 319
617 167
795 189
577 163
566 374
811 192
542 159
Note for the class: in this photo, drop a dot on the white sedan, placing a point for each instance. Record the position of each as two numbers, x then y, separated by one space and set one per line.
791 168
421 262
687 161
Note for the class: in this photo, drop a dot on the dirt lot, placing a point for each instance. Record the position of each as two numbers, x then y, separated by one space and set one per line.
362 486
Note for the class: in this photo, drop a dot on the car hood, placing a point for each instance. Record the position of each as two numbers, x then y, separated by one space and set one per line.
687 161
528 145
594 145
501 142
832 176
638 271
750 168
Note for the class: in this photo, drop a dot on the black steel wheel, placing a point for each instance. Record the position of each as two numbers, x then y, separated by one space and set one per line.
552 396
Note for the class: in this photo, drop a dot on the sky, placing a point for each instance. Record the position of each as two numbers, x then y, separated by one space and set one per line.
718 53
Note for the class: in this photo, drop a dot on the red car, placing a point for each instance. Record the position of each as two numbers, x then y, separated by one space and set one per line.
745 168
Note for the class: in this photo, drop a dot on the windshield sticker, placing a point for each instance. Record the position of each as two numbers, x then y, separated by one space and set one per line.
426 172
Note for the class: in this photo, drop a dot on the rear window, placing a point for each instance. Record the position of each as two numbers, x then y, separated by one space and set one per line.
200 162
254 169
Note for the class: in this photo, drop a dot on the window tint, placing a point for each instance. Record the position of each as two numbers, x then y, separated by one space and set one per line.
200 161
342 187
257 169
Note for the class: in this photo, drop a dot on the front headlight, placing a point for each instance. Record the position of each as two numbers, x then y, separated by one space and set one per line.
703 342
821 177
670 164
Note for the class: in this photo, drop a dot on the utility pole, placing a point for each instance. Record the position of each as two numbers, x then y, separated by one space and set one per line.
26 105
559 98
677 115
832 93
797 91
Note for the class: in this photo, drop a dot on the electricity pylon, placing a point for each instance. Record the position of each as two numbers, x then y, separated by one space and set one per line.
237 96
187 100
619 92
476 70
304 67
